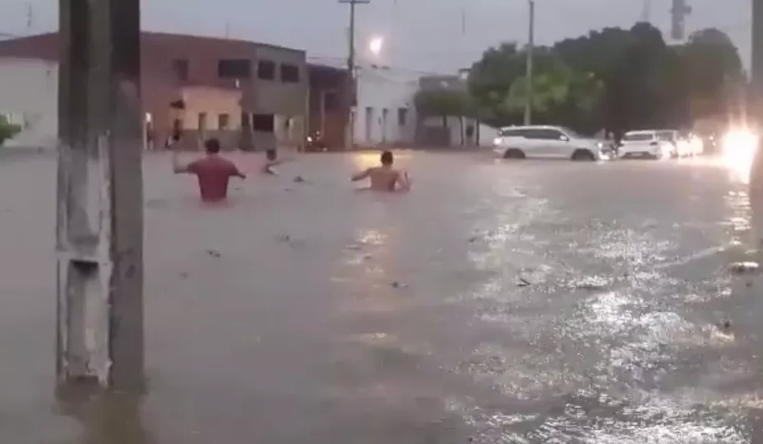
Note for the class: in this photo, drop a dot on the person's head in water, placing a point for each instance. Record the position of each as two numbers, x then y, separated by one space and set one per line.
387 158
271 155
212 146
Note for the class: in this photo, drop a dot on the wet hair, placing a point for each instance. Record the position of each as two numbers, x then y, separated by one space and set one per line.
212 146
387 158
271 154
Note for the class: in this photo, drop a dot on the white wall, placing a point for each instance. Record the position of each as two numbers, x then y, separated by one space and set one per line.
382 88
487 135
29 97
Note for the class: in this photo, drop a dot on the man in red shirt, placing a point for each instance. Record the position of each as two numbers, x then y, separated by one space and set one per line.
213 172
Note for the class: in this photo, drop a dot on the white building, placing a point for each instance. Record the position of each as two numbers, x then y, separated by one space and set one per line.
385 113
29 98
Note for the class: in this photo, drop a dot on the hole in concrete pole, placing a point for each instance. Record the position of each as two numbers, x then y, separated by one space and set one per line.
82 287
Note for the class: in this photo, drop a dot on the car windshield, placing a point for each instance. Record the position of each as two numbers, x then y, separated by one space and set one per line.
638 137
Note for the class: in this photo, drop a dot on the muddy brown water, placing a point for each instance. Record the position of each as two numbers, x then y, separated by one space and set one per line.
498 302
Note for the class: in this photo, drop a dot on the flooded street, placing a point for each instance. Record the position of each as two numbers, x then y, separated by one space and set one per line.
526 302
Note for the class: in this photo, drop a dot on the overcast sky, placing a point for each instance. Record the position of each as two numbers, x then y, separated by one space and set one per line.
426 35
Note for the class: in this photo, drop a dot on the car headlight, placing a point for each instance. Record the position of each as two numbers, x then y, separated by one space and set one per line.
497 141
739 140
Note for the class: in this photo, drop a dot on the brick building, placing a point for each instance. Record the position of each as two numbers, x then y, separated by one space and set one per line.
251 95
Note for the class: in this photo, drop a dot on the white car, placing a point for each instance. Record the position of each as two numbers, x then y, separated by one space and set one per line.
548 142
645 144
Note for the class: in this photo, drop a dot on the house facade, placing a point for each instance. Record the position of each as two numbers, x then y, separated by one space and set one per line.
269 82
385 114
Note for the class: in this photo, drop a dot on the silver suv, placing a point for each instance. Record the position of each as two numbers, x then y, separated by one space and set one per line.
547 142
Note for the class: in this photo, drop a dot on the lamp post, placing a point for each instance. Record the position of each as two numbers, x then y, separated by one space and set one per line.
529 73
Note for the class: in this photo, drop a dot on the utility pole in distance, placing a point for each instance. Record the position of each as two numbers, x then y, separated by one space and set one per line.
679 10
529 74
756 74
351 78
99 221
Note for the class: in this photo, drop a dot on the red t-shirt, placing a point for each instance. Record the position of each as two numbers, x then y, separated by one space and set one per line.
213 173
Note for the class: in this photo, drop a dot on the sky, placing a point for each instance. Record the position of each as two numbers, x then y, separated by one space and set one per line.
432 36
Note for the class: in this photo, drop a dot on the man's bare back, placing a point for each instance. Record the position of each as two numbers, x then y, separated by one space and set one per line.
385 177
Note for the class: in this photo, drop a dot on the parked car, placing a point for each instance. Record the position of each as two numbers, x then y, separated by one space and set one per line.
645 144
547 142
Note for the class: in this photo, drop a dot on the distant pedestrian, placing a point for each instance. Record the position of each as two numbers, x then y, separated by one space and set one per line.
272 160
213 172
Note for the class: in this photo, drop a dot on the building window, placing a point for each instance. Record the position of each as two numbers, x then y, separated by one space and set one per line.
202 122
180 68
263 122
266 70
223 121
234 69
289 73
402 117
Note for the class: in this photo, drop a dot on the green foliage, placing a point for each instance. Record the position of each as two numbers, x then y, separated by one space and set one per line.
614 79
7 129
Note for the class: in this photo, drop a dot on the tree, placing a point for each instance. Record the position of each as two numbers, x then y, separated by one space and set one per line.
616 79
713 71
490 82
560 92
7 129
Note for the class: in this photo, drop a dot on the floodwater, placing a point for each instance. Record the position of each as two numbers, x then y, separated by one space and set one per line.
498 302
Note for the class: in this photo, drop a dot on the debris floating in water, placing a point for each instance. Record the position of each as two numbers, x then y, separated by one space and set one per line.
744 267
214 253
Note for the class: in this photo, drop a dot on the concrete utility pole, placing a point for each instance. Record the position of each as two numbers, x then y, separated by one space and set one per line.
529 75
99 222
351 83
756 75
646 11
678 13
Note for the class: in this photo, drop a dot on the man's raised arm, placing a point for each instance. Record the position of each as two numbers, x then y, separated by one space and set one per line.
361 175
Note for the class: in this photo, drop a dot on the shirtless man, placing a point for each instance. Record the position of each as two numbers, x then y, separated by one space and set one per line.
385 177
213 172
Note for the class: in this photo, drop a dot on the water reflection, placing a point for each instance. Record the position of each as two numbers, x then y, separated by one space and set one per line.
739 164
106 417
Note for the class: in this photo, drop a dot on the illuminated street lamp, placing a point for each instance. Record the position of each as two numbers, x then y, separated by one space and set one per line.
376 45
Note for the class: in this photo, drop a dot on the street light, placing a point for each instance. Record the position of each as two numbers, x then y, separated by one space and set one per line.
529 73
376 45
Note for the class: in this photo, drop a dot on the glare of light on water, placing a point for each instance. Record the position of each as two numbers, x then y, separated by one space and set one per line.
739 152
